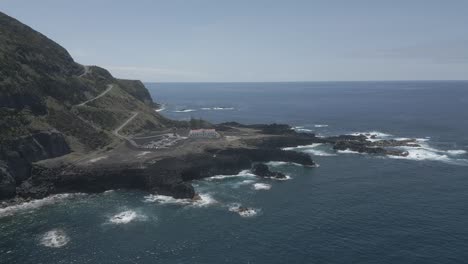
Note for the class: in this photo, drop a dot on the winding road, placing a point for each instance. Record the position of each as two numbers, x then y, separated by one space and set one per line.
109 87
116 131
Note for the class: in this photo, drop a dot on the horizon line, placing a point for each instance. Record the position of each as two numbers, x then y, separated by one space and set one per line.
340 81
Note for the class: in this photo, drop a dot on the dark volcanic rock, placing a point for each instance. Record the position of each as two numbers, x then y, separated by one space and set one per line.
7 182
361 145
19 153
263 171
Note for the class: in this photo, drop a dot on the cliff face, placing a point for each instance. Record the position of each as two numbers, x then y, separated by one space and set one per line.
42 109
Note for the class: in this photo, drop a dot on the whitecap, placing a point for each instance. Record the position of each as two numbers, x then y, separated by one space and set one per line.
35 204
185 111
286 178
55 238
320 125
281 163
456 152
262 186
126 217
314 149
301 129
163 107
348 151
223 108
202 200
372 133
244 173
243 211
425 152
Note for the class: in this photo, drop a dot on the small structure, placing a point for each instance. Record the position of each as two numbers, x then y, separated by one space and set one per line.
203 133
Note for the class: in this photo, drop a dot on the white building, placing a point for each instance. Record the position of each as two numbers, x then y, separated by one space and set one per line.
204 133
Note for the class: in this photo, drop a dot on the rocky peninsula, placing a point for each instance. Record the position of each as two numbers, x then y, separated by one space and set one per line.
67 127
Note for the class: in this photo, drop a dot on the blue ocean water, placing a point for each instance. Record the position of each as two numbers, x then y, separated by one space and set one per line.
354 208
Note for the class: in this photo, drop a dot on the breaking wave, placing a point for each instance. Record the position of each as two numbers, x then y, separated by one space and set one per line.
126 217
244 173
301 129
163 107
421 153
320 125
217 108
35 204
243 211
185 111
262 186
55 238
202 200
281 163
317 149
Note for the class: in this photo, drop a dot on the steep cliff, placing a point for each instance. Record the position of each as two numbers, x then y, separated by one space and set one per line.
51 106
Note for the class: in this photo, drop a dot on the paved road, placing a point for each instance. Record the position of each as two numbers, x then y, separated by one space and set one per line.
116 131
109 87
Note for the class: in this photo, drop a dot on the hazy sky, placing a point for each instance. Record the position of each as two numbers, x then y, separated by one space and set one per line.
251 40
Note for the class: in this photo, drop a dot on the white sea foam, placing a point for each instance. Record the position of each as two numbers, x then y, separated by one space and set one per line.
35 204
202 201
185 111
55 238
281 163
301 129
126 217
243 211
223 108
372 133
244 173
348 151
426 152
163 107
456 152
262 186
317 149
320 125
286 178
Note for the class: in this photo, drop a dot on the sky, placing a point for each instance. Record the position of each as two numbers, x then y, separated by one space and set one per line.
257 40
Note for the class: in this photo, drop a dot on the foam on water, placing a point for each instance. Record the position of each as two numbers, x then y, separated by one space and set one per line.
301 129
244 173
185 111
163 107
126 217
456 152
55 238
348 151
320 125
262 186
243 211
281 163
35 204
203 200
317 149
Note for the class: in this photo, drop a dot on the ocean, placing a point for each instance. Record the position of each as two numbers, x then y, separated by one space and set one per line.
353 208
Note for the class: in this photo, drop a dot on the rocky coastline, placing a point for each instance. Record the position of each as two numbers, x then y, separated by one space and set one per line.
172 175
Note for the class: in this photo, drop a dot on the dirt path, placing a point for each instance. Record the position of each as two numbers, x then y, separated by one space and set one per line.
116 131
109 87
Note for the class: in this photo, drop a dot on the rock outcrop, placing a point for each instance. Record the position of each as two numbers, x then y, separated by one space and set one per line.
263 171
